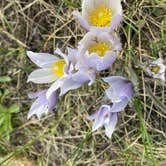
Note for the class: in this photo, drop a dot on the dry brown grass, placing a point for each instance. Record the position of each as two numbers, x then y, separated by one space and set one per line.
64 137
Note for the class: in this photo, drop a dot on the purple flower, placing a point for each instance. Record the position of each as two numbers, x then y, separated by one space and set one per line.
73 78
60 71
156 69
42 105
99 50
104 117
120 93
99 16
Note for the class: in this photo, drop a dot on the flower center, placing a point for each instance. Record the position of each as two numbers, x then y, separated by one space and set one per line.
58 68
99 48
155 69
101 16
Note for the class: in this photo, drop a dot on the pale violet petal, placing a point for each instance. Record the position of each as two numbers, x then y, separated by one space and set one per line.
81 77
116 42
111 124
113 79
72 55
115 22
99 30
88 6
93 116
116 7
59 52
157 62
42 105
56 85
106 61
41 59
81 20
100 118
119 87
41 76
67 85
36 94
38 111
119 106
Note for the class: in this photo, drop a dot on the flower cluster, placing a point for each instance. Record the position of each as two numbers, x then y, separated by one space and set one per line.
96 52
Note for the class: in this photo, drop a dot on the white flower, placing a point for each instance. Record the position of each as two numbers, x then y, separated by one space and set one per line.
156 69
100 15
53 69
100 50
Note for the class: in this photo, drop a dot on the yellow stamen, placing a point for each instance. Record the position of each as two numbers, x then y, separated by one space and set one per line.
101 16
155 69
99 48
58 68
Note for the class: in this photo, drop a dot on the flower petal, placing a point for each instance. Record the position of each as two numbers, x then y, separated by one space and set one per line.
41 59
69 84
59 52
119 106
115 22
41 76
42 105
56 85
81 20
101 63
38 111
36 94
113 79
115 7
99 30
81 77
100 118
72 55
111 124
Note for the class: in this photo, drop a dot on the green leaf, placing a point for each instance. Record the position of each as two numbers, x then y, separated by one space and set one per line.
72 4
6 120
2 109
14 109
4 79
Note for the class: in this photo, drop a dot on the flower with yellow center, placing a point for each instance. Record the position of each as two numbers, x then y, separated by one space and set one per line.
155 69
58 68
101 16
51 67
99 48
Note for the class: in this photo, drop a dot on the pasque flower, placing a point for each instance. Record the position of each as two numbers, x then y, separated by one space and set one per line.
156 69
104 117
72 78
100 15
99 50
42 105
53 69
119 93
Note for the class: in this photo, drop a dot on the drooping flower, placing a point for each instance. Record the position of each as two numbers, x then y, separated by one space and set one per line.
53 69
42 105
100 15
119 93
104 117
99 50
156 69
